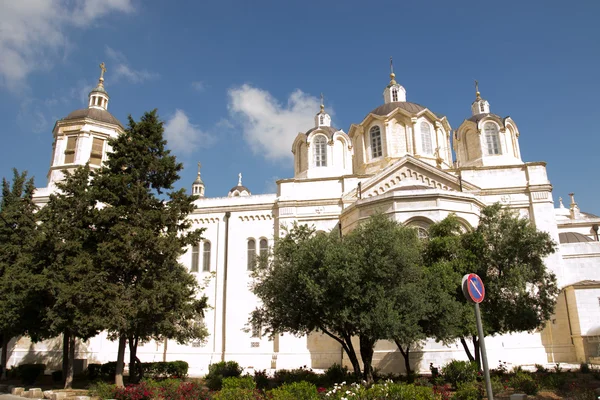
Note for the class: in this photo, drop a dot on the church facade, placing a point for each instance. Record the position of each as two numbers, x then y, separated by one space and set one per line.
397 160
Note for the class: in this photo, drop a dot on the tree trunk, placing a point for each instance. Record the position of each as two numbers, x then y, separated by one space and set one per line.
166 342
70 359
466 347
477 351
5 339
346 342
120 361
366 353
406 355
135 368
65 354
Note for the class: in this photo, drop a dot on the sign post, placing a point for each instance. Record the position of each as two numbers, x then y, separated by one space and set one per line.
474 291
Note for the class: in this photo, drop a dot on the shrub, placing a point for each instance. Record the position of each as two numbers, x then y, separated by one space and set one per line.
295 391
243 382
220 370
284 376
336 374
540 369
30 372
170 369
584 368
177 390
141 391
57 376
468 391
238 394
456 372
388 390
497 385
261 379
554 381
523 382
102 389
94 371
109 370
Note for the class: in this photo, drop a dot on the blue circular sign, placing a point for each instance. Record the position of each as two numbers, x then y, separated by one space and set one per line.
473 288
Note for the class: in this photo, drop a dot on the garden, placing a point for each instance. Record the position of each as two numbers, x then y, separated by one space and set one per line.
458 380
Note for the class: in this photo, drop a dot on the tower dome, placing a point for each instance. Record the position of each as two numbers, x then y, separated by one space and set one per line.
198 185
239 190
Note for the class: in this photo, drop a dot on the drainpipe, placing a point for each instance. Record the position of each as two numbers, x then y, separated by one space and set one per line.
224 315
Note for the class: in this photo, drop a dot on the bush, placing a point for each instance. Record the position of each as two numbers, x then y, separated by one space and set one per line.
295 391
388 390
554 381
468 391
238 394
142 391
456 372
57 376
102 389
94 371
523 382
220 370
109 370
243 382
261 379
172 389
497 385
283 376
540 369
170 369
30 372
337 374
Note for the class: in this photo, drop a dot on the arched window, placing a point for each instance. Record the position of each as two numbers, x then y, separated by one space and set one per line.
394 94
206 257
426 138
492 139
321 119
422 233
251 254
320 146
264 247
376 150
195 257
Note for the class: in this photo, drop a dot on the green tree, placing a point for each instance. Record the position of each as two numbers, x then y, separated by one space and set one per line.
344 287
19 282
508 253
77 294
141 236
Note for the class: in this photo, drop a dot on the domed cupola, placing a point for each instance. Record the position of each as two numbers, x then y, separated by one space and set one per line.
82 136
239 190
399 128
393 92
486 139
323 151
198 185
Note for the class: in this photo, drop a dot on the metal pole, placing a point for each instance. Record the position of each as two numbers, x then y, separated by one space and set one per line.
486 371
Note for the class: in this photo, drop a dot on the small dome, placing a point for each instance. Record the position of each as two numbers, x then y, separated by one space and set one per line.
96 114
99 89
239 191
573 237
328 129
387 108
478 117
198 180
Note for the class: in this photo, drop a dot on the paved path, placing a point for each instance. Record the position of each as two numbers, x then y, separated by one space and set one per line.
9 397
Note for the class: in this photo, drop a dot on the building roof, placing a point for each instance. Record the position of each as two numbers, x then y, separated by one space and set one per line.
240 189
95 114
573 237
387 108
412 187
330 130
587 282
478 117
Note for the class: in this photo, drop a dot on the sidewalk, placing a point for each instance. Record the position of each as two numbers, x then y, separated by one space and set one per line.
9 397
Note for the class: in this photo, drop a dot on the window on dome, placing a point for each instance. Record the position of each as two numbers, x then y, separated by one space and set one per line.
96 153
70 151
426 138
251 254
321 119
376 148
395 94
320 145
492 139
206 257
482 107
195 257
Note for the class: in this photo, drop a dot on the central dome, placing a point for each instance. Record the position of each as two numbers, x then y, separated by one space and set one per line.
96 114
387 108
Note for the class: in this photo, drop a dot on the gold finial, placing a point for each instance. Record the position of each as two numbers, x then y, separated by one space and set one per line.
322 103
199 166
573 203
477 90
102 71
392 75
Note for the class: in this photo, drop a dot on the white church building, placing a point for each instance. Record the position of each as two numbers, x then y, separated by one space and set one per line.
397 159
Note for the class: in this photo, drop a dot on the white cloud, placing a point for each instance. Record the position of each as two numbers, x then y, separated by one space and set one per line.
123 70
199 86
269 127
33 33
183 136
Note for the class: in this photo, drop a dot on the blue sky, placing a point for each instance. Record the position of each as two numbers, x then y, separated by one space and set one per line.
235 81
